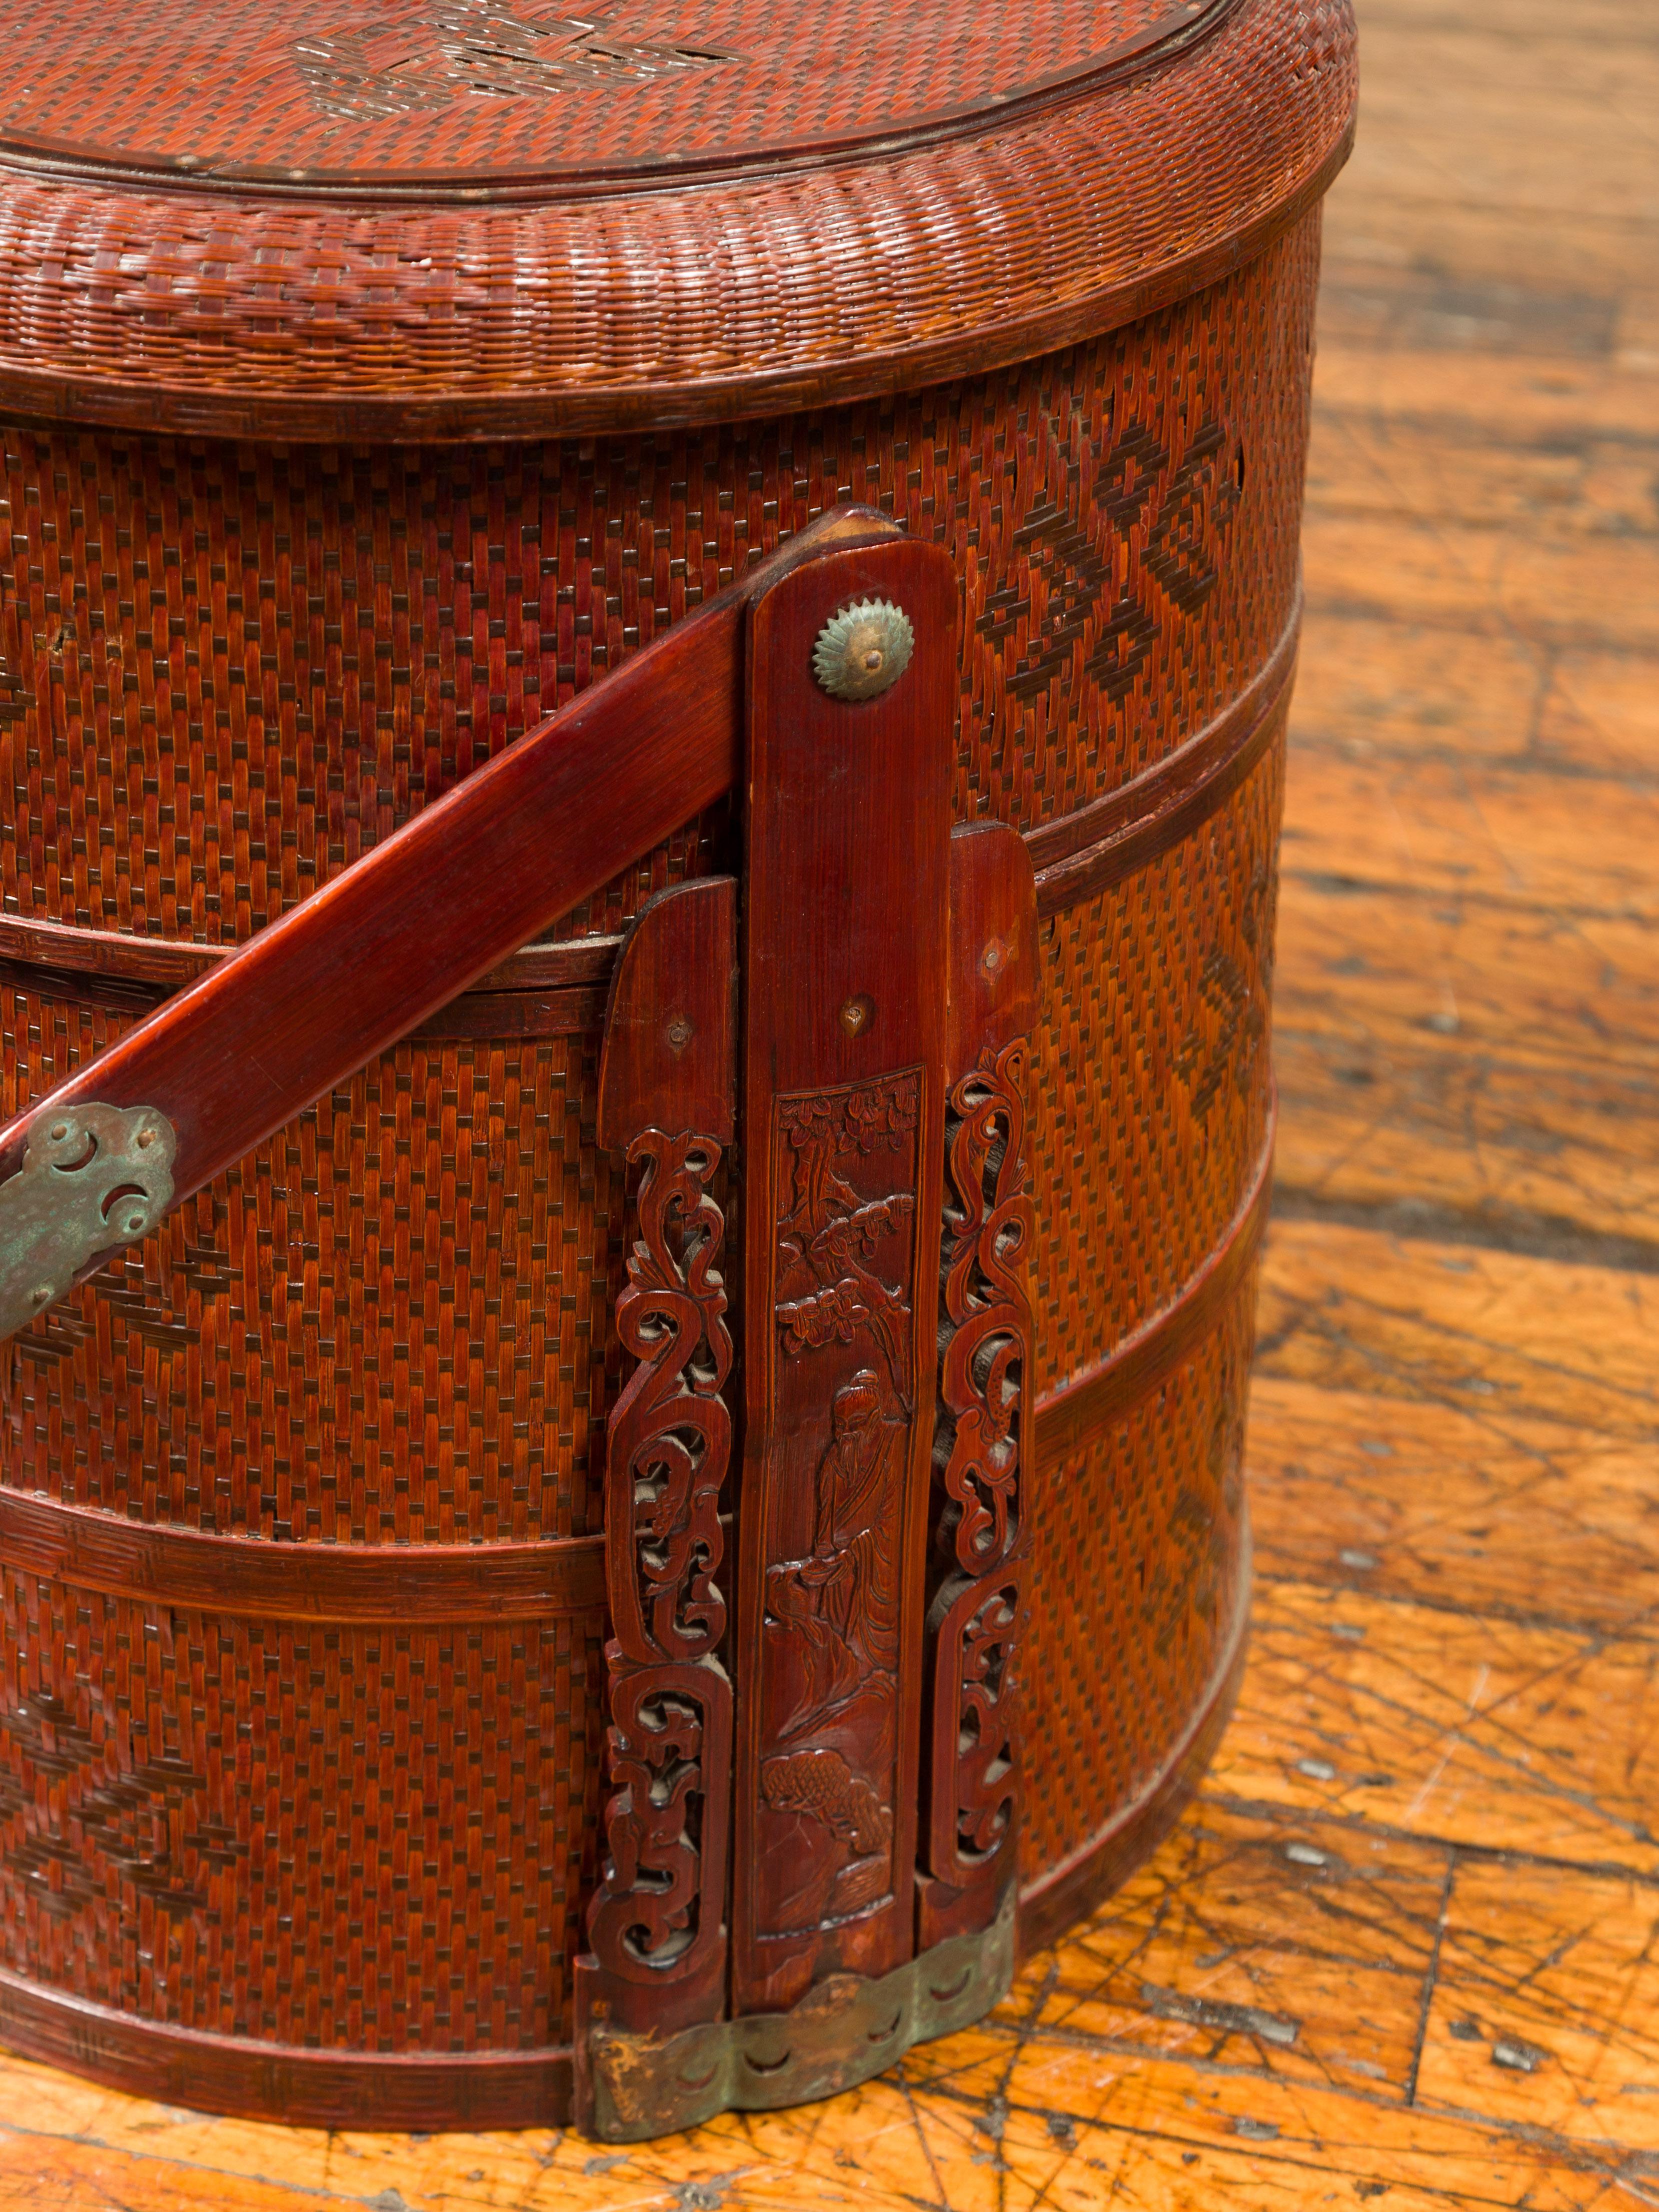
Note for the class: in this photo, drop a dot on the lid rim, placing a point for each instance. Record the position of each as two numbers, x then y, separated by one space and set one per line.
322 324
345 417
1188 23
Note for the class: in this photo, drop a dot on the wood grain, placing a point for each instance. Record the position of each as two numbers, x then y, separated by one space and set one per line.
847 819
1499 1060
1469 1504
1224 1952
1544 2008
1483 1332
1458 572
1498 1735
1501 839
1461 696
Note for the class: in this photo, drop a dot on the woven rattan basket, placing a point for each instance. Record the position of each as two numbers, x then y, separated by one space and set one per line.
375 379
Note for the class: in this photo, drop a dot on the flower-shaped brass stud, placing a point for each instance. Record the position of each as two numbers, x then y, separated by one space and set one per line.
863 649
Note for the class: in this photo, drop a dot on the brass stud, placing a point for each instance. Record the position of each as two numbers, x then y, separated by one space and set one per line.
863 650
679 1034
857 1014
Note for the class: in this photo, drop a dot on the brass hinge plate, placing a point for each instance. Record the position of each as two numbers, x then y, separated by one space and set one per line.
93 1177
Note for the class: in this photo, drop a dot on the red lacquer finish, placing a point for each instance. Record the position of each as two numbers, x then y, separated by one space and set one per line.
685 219
983 1456
371 955
847 827
656 1923
607 1505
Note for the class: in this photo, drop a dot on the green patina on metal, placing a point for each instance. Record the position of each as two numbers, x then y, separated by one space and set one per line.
843 2032
93 1177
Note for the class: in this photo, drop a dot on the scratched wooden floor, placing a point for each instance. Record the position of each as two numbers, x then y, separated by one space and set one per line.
1404 1948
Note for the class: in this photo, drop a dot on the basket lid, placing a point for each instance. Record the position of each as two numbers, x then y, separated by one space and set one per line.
324 218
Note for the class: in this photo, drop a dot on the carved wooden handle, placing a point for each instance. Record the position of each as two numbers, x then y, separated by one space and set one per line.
845 1721
345 974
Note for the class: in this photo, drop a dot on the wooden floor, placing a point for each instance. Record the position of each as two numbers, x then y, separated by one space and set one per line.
1406 1945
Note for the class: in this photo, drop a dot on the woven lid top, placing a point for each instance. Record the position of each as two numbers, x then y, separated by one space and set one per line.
326 217
458 95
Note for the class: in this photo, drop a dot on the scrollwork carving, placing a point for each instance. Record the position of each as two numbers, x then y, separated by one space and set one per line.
977 1611
656 1916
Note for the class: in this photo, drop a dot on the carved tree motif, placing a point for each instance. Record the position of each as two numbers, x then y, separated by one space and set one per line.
833 1614
976 1612
827 1240
657 1913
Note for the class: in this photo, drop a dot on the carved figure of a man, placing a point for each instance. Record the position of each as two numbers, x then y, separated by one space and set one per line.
849 1585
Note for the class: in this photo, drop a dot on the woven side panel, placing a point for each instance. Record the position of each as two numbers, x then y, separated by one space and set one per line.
369 1840
388 1325
225 671
1152 1076
243 1372
1133 1579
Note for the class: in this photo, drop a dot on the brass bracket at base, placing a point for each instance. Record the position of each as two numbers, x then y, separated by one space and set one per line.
93 1177
843 2032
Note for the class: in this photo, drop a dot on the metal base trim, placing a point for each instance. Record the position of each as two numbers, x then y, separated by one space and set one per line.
844 2032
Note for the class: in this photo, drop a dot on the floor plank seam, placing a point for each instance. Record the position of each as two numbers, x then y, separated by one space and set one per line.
1594 1635
1356 1824
1431 1977
1466 430
186 2163
1334 607
1576 638
1339 884
1316 741
1303 1318
1641 1627
1610 2161
1531 1237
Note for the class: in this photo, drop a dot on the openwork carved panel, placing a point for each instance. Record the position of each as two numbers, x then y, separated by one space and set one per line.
424 402
977 1610
656 1915
656 1923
